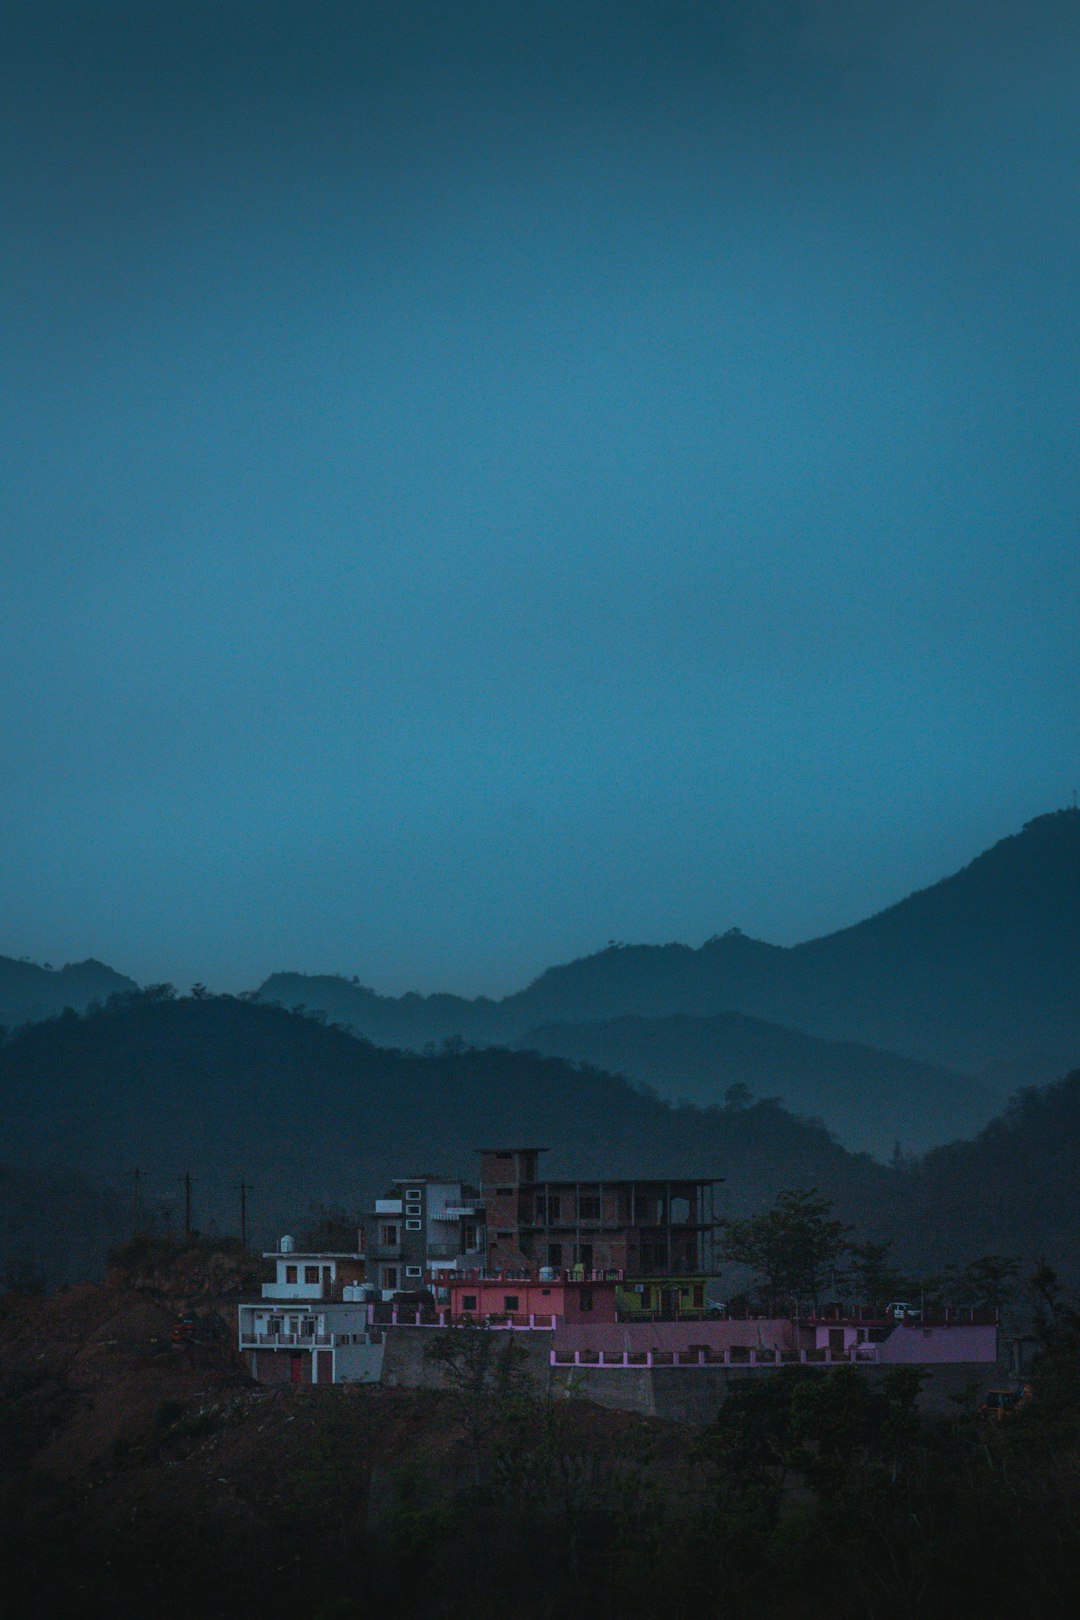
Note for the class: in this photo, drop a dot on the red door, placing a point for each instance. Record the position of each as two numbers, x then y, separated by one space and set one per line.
296 1369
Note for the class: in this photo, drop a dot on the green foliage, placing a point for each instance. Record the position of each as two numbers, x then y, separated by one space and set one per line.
871 1277
795 1247
989 1282
484 1374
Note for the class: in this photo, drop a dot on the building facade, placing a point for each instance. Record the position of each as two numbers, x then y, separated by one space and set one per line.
425 1227
641 1228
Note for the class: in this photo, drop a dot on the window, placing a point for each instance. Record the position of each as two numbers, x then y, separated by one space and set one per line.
511 1302
468 1302
274 1325
585 1299
414 1226
504 1192
548 1212
555 1255
699 1296
412 1192
307 1328
390 1236
589 1208
414 1271
290 1274
389 1276
311 1274
468 1237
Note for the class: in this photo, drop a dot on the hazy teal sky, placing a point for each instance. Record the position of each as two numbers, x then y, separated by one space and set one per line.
481 479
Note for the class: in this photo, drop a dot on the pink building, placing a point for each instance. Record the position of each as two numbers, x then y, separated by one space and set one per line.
532 1301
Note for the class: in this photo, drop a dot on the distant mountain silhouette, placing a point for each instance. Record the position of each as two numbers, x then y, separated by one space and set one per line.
29 992
870 1099
981 969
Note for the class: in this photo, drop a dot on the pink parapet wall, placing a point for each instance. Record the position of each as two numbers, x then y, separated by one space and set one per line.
772 1334
912 1345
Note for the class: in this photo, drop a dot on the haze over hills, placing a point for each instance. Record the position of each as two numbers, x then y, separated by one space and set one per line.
979 971
29 991
870 1099
879 1029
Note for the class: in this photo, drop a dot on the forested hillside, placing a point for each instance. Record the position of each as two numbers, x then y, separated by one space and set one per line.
225 1088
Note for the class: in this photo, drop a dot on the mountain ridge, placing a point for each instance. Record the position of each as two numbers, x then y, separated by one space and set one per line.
980 967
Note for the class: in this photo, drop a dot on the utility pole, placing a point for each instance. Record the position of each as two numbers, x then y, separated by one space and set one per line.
243 1188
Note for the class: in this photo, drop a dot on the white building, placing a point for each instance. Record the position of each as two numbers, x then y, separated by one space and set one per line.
311 1326
293 1343
310 1276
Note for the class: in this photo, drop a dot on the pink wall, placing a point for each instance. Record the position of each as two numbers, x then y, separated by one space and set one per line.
534 1298
770 1334
911 1345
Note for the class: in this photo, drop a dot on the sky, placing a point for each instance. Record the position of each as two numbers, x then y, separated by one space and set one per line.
478 480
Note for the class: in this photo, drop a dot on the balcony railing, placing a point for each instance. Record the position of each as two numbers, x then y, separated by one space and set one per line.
278 1341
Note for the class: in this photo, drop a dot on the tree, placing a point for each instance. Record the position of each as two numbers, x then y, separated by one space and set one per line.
794 1247
870 1276
989 1282
484 1372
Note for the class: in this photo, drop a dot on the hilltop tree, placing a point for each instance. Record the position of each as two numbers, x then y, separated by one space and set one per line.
871 1277
795 1247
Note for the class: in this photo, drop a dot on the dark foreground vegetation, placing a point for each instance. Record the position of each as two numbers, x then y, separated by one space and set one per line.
140 1476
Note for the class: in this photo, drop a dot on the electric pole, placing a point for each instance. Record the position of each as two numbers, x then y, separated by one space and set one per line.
243 1188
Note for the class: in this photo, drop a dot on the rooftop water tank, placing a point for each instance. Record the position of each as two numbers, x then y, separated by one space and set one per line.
548 1274
287 1245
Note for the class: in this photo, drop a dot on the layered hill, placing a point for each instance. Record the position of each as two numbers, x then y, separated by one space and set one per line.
224 1089
312 1115
30 992
871 1099
979 971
